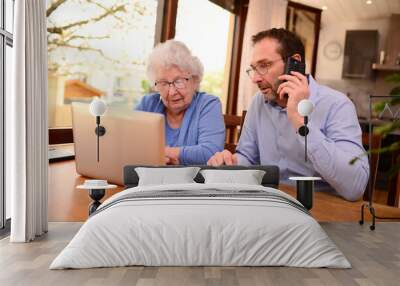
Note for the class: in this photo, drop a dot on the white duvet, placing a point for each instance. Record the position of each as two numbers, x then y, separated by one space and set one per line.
200 231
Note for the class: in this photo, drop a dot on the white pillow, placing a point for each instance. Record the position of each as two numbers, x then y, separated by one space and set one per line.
165 176
248 177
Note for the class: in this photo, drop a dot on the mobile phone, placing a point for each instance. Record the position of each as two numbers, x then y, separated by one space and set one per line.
294 65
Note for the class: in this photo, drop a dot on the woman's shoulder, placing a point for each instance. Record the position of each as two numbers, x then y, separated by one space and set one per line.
148 102
207 104
205 98
150 97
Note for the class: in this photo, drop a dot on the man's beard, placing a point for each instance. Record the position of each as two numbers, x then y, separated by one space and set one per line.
271 95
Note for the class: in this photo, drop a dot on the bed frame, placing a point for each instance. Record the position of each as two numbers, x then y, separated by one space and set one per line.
270 179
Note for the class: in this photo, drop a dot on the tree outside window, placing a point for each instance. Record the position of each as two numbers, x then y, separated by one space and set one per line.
97 48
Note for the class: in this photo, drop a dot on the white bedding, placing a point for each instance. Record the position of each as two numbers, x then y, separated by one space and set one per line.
184 231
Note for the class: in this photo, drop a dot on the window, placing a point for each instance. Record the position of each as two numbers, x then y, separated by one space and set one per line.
210 39
9 12
6 43
97 49
305 21
125 83
8 60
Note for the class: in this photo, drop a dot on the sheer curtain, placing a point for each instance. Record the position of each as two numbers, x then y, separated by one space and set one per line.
26 123
261 15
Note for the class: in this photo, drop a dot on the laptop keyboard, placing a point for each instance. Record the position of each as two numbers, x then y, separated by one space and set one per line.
59 154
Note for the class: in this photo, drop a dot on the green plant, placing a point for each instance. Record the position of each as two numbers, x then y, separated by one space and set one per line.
213 82
146 86
389 127
393 126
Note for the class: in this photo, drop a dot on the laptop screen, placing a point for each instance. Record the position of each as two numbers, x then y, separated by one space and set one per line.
131 138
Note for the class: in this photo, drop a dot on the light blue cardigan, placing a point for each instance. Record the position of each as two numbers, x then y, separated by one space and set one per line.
202 132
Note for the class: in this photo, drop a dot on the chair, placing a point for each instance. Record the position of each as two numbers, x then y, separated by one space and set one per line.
233 126
376 141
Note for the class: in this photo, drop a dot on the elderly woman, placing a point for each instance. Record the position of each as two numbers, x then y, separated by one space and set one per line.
194 123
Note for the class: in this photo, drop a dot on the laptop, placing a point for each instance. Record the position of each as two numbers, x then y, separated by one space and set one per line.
131 138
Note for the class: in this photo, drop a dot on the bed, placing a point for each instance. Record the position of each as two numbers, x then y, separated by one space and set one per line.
201 224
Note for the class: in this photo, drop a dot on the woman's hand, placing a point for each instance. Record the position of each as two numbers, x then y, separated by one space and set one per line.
172 155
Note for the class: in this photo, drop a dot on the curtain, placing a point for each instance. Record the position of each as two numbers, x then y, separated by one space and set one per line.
261 15
26 123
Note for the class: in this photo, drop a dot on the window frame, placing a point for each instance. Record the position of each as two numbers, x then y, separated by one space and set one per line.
169 11
6 39
317 27
241 9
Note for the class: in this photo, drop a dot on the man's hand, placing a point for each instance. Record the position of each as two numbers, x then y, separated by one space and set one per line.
222 158
172 155
296 87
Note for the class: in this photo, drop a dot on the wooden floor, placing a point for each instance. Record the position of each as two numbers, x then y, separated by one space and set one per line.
374 255
66 203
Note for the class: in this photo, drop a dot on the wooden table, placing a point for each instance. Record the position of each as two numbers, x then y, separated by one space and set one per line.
66 203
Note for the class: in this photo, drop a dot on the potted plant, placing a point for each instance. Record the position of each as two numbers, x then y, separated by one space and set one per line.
392 126
389 127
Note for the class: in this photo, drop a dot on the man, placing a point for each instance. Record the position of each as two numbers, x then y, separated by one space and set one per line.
270 132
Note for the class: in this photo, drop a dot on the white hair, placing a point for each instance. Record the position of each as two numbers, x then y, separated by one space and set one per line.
170 54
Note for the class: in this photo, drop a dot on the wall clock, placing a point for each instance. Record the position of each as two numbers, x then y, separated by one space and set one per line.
333 50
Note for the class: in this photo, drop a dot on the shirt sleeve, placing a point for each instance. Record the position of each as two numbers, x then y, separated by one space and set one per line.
211 135
247 150
142 105
331 152
150 103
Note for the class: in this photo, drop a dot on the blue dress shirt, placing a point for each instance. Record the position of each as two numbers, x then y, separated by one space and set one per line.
202 132
334 139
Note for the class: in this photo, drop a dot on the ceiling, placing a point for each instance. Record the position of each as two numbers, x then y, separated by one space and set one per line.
354 10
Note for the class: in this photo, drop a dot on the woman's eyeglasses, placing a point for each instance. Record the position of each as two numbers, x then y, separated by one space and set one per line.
164 85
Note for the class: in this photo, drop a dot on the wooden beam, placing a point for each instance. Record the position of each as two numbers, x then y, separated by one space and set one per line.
169 20
238 34
226 4
317 28
304 7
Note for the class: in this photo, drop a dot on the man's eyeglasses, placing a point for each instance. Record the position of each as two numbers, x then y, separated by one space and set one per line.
261 68
179 83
